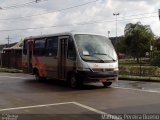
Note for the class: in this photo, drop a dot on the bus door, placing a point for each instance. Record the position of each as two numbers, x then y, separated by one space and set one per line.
62 57
51 58
29 55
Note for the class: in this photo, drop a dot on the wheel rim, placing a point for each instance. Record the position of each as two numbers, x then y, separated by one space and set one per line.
37 76
73 82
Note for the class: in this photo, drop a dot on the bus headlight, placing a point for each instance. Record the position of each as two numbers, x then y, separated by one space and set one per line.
116 69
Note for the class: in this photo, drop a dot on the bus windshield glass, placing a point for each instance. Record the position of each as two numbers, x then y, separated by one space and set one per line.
95 48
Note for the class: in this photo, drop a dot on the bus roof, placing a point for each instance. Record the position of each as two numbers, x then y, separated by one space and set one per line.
12 48
63 33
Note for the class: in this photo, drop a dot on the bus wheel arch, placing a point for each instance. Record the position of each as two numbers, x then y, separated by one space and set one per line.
34 71
37 76
73 80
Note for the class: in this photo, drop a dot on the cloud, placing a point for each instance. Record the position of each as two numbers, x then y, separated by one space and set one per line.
98 11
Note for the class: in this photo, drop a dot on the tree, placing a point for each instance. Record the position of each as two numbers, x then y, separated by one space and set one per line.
138 39
156 53
157 44
120 45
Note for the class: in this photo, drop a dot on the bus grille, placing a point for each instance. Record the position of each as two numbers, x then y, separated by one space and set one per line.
102 70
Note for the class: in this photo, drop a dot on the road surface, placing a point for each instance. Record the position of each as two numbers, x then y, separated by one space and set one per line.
24 98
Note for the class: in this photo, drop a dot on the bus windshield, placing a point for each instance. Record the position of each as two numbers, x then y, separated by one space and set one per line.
95 48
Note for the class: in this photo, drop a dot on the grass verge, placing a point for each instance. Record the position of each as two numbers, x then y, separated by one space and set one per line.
9 70
138 78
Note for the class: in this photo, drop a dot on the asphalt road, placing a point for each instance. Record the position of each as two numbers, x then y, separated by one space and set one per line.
23 98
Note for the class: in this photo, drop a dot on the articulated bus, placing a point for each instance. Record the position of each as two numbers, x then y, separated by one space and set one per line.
74 57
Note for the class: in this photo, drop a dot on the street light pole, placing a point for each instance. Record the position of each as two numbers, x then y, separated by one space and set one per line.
159 13
108 33
116 14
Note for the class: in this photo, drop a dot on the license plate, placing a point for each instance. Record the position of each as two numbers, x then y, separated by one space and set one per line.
103 80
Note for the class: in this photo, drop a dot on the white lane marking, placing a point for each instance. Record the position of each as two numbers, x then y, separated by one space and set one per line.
35 106
89 108
152 91
113 117
13 77
64 103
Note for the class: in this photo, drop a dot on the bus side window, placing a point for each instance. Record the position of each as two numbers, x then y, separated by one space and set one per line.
52 46
39 49
71 52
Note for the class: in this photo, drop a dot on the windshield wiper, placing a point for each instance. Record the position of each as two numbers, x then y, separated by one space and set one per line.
101 60
104 54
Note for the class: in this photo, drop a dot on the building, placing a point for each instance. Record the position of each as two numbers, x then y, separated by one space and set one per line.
11 57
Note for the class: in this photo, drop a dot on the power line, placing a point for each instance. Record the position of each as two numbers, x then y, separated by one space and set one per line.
83 23
109 18
70 8
103 21
60 10
8 39
14 6
141 14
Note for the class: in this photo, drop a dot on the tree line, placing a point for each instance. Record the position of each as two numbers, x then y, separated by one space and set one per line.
138 41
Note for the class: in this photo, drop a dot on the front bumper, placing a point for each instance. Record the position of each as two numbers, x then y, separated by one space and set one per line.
88 76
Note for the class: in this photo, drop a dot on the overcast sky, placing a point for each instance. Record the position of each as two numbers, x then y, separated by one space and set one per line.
99 13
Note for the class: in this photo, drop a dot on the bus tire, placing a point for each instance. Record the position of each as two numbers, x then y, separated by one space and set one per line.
106 84
37 76
74 82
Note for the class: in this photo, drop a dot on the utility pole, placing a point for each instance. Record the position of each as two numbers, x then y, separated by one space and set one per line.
8 39
37 1
116 14
159 13
108 33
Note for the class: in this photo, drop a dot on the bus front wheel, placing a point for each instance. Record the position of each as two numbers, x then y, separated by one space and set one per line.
106 84
74 82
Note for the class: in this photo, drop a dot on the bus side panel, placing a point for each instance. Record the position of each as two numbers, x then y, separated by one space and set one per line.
47 66
51 67
45 58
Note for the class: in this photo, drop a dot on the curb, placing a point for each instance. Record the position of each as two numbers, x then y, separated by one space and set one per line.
139 79
6 70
